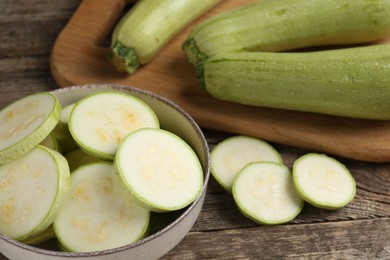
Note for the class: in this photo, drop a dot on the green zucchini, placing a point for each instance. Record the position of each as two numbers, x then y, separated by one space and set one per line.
25 123
280 25
147 28
264 192
323 181
232 154
351 82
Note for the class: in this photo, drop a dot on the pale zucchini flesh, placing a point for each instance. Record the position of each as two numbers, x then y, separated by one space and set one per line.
289 24
264 192
99 214
161 171
229 156
25 123
33 189
98 122
148 26
351 82
323 181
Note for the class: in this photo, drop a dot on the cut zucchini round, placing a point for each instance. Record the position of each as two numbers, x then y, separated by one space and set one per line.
99 213
43 236
160 170
78 157
25 123
264 192
231 155
323 181
62 133
51 142
65 113
99 121
33 188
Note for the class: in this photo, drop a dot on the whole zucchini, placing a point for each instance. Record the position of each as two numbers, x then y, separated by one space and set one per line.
148 27
279 25
351 82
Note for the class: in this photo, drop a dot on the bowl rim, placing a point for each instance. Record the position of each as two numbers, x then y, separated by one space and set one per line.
188 209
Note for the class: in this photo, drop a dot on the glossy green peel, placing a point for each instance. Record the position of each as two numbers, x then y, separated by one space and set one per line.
289 24
148 27
351 82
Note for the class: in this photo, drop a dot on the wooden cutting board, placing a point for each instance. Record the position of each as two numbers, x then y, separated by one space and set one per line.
79 57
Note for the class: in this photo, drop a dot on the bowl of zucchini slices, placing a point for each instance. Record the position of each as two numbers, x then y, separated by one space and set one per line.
98 171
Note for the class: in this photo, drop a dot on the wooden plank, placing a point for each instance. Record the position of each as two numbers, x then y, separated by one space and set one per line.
79 57
366 239
32 7
31 28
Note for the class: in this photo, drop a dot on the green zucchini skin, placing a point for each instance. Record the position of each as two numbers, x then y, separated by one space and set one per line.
280 25
148 26
351 82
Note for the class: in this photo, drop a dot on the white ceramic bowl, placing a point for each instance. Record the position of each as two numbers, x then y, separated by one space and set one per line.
172 118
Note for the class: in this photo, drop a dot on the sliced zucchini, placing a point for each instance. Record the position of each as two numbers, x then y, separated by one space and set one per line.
51 142
323 181
264 192
33 188
62 133
99 121
99 213
78 157
45 235
161 171
65 113
25 123
229 156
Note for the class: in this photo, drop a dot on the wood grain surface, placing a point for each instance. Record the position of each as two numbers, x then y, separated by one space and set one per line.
361 230
79 57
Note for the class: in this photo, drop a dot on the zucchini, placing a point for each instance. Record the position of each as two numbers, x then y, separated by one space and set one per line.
99 121
33 190
161 171
264 192
351 82
62 133
280 25
232 154
78 157
323 181
147 28
25 123
98 214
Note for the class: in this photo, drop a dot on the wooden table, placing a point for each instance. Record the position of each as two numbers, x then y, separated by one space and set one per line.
361 230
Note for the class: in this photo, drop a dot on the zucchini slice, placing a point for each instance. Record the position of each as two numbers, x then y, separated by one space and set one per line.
78 157
160 170
99 213
62 133
33 188
25 123
232 154
45 235
264 192
323 181
99 121
51 142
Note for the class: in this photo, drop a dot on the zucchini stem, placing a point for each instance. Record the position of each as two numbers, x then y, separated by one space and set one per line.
124 58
